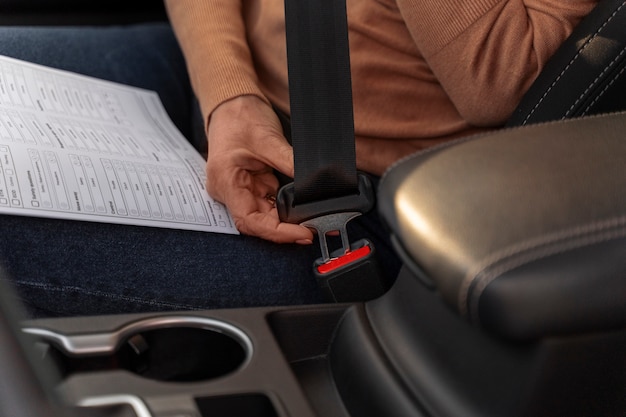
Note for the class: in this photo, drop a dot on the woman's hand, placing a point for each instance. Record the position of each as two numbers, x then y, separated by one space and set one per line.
246 143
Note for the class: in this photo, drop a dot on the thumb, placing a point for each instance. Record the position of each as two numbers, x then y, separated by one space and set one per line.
278 154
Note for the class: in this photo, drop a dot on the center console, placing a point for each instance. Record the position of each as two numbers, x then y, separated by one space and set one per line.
261 362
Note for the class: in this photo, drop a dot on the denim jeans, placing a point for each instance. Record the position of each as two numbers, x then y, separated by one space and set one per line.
63 267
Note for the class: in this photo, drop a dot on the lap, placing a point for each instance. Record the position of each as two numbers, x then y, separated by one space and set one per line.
68 268
80 268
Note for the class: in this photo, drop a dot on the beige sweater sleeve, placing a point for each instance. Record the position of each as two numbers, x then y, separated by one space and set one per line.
212 36
486 53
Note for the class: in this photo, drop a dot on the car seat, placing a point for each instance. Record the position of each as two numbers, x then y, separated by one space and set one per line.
586 75
512 301
513 297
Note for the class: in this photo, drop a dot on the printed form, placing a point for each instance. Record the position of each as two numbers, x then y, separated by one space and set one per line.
75 147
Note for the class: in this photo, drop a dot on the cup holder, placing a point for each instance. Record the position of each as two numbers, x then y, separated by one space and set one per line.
175 349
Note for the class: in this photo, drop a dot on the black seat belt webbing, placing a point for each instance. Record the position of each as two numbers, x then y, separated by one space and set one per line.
327 192
322 122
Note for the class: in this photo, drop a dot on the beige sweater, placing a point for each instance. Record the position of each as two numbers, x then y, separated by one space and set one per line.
423 71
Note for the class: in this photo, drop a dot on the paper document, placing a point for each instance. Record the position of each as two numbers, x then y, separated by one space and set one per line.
75 147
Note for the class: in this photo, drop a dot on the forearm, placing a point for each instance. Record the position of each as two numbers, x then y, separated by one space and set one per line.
212 36
486 53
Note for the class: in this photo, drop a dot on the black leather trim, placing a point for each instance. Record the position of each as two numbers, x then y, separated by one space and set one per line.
522 231
587 75
457 370
531 300
359 366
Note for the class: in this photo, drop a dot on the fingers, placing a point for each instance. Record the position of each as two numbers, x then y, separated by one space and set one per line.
245 193
246 143
246 122
281 154
267 226
256 215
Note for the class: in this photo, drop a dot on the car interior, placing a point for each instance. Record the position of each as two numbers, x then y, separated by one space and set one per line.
511 300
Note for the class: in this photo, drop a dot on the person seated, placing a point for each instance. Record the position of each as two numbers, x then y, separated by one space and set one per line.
423 73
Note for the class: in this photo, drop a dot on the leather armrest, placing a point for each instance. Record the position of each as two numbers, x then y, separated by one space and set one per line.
522 231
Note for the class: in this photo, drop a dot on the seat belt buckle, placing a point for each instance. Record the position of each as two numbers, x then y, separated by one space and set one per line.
351 276
362 201
350 273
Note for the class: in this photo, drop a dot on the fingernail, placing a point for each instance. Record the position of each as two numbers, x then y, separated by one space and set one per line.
304 242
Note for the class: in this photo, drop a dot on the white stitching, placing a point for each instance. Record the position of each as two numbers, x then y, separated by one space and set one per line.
604 90
595 81
532 250
574 58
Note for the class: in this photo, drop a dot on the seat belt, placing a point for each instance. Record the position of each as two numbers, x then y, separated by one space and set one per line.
327 191
320 94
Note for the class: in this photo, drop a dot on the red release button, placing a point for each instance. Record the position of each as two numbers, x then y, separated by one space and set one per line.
349 257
